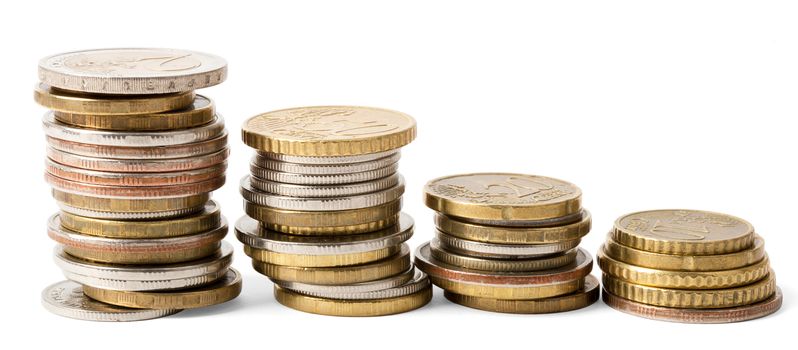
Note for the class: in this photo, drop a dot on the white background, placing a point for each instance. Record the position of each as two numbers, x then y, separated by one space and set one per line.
644 105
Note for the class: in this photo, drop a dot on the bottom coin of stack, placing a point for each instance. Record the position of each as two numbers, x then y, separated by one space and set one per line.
687 266
368 274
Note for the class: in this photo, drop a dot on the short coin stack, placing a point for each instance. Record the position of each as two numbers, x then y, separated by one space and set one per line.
509 243
324 206
687 266
133 155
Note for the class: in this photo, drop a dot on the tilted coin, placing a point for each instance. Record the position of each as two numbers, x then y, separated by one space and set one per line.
344 290
364 307
138 165
66 299
659 261
502 196
329 131
151 285
325 159
319 191
514 235
201 111
226 289
558 221
129 206
141 153
502 251
130 192
134 179
317 223
318 180
325 169
132 70
683 232
418 282
502 265
330 260
80 103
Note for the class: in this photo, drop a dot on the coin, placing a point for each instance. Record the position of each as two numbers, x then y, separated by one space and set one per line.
724 315
325 169
509 291
79 103
138 165
129 192
513 235
318 180
344 291
132 71
418 282
106 178
321 204
501 251
156 215
225 289
326 160
502 196
338 307
588 295
501 265
122 205
319 191
202 111
142 153
659 261
326 222
329 131
331 260
683 279
66 299
683 232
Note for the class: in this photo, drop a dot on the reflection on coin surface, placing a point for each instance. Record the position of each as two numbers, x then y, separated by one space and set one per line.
66 299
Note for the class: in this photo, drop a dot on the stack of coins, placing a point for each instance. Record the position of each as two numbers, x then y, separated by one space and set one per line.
324 202
133 155
687 266
509 243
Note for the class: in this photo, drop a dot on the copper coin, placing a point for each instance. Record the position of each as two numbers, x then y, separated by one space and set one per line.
62 184
138 165
141 152
135 179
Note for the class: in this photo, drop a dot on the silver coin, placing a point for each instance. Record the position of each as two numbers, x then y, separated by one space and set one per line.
249 232
326 160
321 204
155 215
66 299
134 179
138 165
58 130
563 220
304 179
324 169
501 251
355 288
418 282
132 70
194 149
322 191
502 265
139 286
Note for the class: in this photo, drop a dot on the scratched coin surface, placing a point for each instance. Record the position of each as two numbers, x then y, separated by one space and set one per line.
66 299
132 70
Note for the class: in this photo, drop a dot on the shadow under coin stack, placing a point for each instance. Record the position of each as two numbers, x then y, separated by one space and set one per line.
133 155
687 266
509 243
324 202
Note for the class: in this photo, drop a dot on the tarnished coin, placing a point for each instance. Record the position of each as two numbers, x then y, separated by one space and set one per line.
324 191
134 179
683 232
202 111
344 290
502 196
141 153
418 282
66 299
659 261
318 223
130 192
325 169
80 103
502 265
151 206
329 131
132 70
337 179
326 160
357 307
502 251
514 235
138 165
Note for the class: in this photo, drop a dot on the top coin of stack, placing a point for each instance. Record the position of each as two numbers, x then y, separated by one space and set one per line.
324 201
509 243
687 266
133 155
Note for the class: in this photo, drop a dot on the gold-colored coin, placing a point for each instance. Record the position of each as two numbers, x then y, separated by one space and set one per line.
659 261
143 257
201 112
122 205
338 275
502 197
509 292
300 260
225 289
502 265
338 222
693 299
80 103
329 131
341 307
683 232
683 279
514 235
584 297
205 220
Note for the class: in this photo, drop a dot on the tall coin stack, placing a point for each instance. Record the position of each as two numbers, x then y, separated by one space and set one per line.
133 155
687 266
324 204
509 243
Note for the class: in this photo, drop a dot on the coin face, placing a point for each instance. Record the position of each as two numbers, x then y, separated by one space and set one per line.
329 131
132 71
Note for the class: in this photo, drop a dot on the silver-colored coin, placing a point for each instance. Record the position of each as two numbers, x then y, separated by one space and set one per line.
501 251
194 149
66 299
321 204
153 285
418 282
249 232
501 265
326 160
563 220
155 215
324 169
134 179
356 288
132 71
304 179
138 165
322 191
58 130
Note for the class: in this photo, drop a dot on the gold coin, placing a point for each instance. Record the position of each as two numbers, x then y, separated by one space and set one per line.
329 131
683 232
509 291
693 299
200 112
226 289
502 265
338 222
683 279
205 220
342 307
79 103
338 275
300 260
502 197
143 257
514 235
123 205
659 261
584 297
